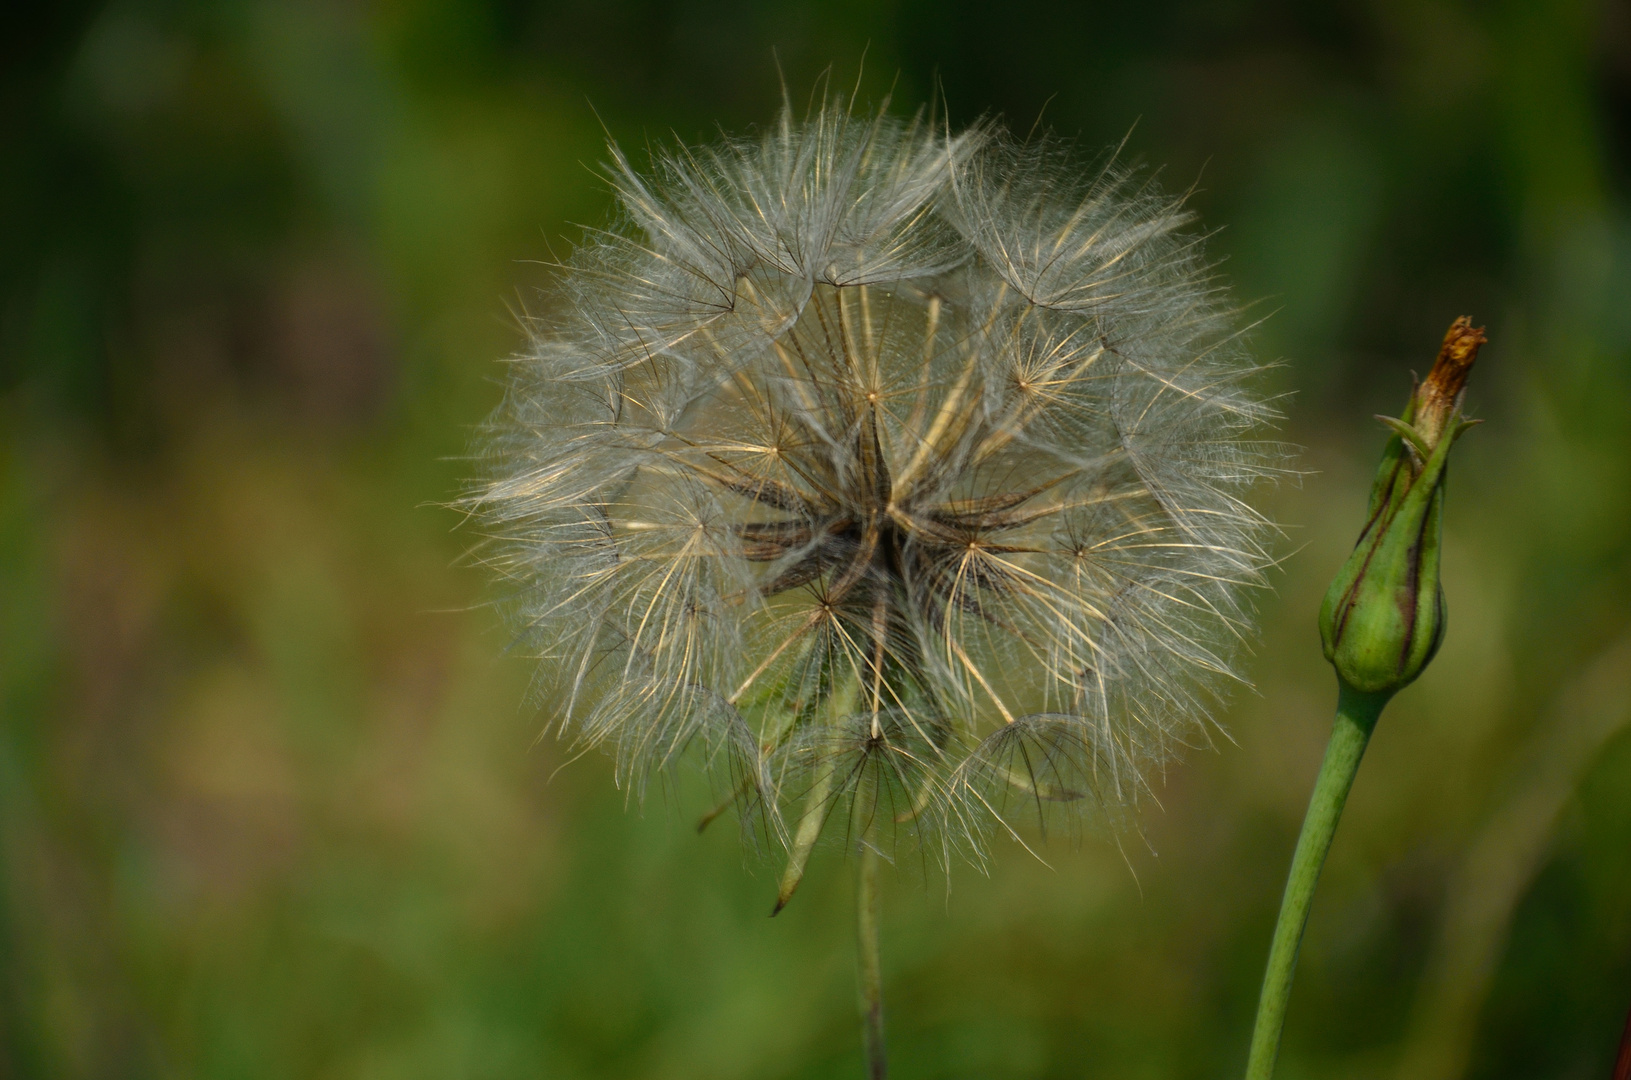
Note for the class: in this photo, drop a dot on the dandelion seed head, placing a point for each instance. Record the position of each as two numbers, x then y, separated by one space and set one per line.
904 472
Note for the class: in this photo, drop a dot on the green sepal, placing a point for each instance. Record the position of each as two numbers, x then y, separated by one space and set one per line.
1409 435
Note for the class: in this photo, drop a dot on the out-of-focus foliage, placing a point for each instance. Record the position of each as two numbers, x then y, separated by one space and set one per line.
269 803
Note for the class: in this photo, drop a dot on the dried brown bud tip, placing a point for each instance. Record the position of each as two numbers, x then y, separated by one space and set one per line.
1439 395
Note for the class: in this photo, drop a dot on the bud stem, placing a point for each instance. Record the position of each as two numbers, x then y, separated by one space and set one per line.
1356 717
871 971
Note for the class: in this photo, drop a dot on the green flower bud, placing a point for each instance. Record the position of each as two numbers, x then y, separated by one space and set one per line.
1383 617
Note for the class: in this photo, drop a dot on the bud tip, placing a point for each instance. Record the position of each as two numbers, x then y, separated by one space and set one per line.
1440 393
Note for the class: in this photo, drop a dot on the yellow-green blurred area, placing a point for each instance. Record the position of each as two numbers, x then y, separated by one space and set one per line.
270 799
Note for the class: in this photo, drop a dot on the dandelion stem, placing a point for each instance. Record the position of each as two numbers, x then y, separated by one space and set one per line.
871 973
1356 717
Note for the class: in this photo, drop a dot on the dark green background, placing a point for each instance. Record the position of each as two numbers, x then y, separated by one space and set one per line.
269 800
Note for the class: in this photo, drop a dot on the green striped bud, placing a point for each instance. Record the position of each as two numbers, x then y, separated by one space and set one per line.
1383 617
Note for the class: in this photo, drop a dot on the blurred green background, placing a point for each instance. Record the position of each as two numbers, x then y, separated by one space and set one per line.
270 803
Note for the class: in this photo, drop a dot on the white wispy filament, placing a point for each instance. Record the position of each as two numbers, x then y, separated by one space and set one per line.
899 471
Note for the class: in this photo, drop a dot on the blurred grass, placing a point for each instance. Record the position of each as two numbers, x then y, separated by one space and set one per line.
269 803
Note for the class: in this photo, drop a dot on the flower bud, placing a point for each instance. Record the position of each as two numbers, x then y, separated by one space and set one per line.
1383 617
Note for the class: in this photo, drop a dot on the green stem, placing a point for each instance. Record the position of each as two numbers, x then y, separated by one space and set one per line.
866 932
1356 716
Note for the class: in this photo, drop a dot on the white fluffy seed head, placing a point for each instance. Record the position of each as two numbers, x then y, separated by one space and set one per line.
901 471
